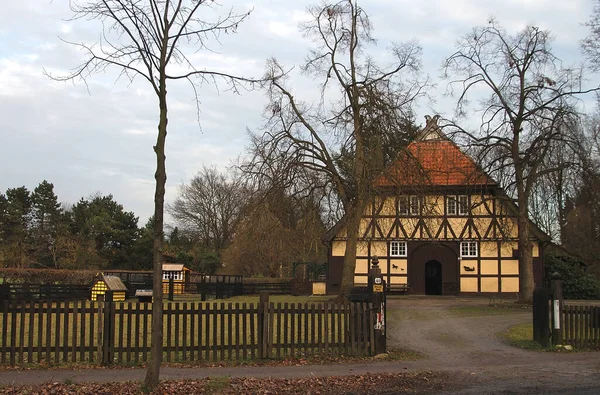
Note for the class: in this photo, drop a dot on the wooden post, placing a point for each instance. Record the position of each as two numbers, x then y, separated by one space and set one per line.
377 290
108 329
556 285
263 325
540 316
171 286
4 292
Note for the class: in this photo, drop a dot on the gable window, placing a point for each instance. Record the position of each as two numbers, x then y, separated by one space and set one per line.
463 205
457 205
398 248
468 249
409 205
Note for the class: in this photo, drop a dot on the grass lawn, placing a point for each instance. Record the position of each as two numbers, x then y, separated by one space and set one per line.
522 336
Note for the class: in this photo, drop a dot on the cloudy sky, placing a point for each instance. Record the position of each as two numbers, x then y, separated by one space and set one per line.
99 138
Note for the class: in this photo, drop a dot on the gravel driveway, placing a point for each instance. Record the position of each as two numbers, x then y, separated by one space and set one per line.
483 363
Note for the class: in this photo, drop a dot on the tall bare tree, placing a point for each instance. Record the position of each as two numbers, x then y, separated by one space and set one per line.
342 136
525 101
208 207
146 38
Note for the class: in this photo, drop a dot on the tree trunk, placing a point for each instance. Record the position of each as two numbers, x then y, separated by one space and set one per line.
153 372
525 255
354 215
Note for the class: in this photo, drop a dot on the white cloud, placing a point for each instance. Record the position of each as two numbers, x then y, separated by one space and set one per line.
102 139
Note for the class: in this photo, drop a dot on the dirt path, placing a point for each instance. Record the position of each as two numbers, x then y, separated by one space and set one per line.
453 341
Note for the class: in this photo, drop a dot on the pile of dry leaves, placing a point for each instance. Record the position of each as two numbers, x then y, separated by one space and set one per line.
398 383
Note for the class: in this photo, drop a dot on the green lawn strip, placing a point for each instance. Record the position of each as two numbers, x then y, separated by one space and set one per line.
521 336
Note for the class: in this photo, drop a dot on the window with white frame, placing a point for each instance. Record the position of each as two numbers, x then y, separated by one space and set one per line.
468 249
457 205
409 205
398 248
451 205
172 275
463 205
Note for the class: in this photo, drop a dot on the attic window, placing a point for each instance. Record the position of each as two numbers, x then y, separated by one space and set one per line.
457 205
409 205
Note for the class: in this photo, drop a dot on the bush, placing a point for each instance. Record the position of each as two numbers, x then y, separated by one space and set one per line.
47 276
578 284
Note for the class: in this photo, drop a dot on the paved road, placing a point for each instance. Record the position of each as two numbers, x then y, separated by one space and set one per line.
467 347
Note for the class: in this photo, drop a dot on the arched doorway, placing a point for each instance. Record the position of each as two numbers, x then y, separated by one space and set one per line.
433 278
446 255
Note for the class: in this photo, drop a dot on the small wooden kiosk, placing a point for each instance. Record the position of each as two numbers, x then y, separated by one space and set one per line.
108 283
180 275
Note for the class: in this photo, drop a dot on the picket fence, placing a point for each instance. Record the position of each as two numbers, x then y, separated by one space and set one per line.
119 332
581 326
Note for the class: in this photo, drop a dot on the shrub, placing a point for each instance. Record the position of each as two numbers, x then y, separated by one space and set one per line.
577 283
46 276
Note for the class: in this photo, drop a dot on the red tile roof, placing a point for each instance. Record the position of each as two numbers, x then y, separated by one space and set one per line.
436 162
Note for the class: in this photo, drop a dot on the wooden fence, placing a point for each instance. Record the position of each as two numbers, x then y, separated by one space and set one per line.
41 292
119 332
581 326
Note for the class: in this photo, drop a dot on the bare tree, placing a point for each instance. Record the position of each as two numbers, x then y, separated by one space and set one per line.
342 136
526 110
146 39
208 207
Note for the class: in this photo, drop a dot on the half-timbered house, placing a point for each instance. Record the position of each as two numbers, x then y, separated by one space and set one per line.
438 225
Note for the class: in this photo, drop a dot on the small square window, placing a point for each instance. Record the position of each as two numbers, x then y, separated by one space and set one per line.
468 249
398 248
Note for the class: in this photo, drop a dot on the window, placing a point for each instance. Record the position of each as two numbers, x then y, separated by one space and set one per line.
468 249
457 205
450 205
409 205
463 205
398 248
172 275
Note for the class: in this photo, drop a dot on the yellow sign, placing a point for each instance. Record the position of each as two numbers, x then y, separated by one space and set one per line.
378 288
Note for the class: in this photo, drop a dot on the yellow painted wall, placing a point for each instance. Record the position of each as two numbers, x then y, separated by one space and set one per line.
509 266
398 280
379 248
468 284
362 248
402 266
362 266
338 248
361 280
489 284
319 288
488 249
510 284
489 267
470 264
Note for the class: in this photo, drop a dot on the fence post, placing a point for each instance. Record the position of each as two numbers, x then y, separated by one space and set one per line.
263 324
540 316
377 290
171 286
556 285
4 292
108 330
